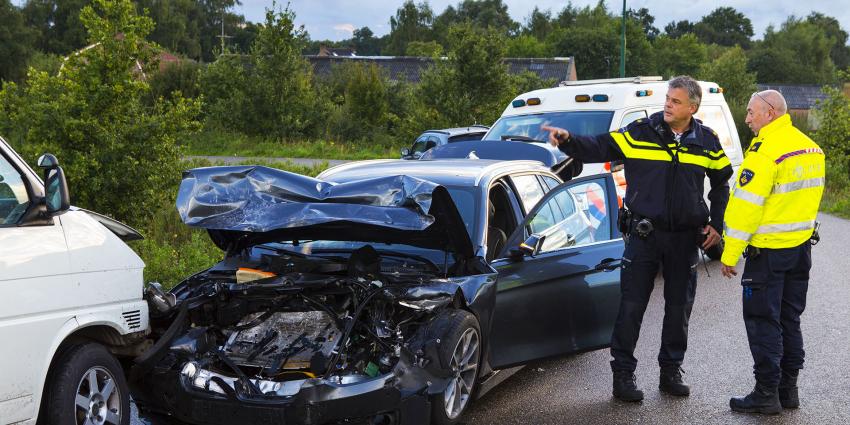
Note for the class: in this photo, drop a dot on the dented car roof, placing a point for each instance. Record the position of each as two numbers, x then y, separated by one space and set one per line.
242 206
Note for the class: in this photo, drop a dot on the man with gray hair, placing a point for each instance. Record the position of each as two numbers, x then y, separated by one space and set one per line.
666 160
771 218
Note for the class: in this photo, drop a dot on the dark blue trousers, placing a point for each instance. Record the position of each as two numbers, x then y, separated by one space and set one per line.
775 283
676 254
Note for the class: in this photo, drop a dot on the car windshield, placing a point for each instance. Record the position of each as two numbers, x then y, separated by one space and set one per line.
465 201
527 127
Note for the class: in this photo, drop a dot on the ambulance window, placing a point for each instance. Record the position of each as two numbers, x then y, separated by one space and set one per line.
714 118
632 116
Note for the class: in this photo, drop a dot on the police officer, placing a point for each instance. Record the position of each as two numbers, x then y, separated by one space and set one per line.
771 215
666 159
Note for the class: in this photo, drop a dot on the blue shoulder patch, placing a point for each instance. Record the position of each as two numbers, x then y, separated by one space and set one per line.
746 177
755 147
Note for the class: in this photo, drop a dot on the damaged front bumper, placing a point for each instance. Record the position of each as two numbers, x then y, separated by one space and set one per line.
200 396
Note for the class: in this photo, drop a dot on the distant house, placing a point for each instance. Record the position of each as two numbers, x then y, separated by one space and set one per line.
410 68
801 99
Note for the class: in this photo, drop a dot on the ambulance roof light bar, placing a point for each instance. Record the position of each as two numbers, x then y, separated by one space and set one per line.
634 80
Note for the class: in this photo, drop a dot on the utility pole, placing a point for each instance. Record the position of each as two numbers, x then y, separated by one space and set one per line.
623 44
223 36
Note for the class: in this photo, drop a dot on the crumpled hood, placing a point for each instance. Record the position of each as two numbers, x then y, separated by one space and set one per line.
242 206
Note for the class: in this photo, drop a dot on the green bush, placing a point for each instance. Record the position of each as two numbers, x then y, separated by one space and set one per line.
119 152
269 92
179 78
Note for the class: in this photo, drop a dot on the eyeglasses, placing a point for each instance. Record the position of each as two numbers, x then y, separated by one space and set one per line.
762 98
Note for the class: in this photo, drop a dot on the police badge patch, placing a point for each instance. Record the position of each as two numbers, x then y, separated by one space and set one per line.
746 177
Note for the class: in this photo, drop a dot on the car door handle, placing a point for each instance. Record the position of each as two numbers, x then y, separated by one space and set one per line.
609 264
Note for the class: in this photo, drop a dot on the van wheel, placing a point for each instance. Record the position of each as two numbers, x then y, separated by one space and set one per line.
88 387
460 350
715 252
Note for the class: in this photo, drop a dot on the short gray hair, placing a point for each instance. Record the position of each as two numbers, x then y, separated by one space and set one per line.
690 85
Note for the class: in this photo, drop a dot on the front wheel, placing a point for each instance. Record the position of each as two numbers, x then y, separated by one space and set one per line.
88 388
460 352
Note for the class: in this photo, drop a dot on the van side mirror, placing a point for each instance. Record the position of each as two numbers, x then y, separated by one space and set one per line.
405 152
56 197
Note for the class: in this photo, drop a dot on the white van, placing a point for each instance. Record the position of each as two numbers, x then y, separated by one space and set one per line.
593 107
70 302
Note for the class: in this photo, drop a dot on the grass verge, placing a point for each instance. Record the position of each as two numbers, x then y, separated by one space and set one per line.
223 143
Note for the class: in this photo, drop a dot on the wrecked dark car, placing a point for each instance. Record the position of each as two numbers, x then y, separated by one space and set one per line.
369 296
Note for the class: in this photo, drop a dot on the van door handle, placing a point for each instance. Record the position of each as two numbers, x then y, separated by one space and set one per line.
609 264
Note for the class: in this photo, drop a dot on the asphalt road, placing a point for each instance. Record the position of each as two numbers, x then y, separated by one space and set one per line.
577 389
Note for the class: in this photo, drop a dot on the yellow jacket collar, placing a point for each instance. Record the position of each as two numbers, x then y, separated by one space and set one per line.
775 126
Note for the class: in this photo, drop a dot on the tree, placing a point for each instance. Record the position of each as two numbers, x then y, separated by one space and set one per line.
840 52
272 94
57 23
492 14
594 39
15 43
730 72
365 42
646 20
677 29
539 24
178 25
833 133
725 26
424 49
120 153
472 85
411 22
799 53
527 46
679 56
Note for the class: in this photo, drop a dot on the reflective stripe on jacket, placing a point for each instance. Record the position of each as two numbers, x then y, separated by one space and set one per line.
666 180
777 192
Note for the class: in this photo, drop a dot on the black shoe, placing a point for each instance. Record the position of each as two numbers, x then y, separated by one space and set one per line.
671 381
789 396
760 400
625 386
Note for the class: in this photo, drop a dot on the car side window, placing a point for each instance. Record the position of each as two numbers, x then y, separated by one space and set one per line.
592 203
529 190
419 145
632 116
585 216
551 182
13 193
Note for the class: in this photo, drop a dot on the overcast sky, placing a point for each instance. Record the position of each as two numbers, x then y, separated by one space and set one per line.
336 19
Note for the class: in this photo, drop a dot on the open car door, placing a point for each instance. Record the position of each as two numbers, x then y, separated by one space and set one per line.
562 295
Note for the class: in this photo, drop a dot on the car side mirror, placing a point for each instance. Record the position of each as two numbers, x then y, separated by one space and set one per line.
405 152
56 197
530 247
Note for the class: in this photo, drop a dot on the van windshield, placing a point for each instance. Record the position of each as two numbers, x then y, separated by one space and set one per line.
527 127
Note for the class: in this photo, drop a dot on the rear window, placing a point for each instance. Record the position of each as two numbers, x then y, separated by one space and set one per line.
582 123
466 137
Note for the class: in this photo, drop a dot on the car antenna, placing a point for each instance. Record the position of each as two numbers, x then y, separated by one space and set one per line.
445 262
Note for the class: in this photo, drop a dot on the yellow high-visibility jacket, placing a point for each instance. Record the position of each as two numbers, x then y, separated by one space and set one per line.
777 193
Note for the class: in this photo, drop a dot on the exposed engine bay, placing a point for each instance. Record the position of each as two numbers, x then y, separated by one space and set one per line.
288 322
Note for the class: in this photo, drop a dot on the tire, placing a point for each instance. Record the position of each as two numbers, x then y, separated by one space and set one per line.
460 345
69 400
715 252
